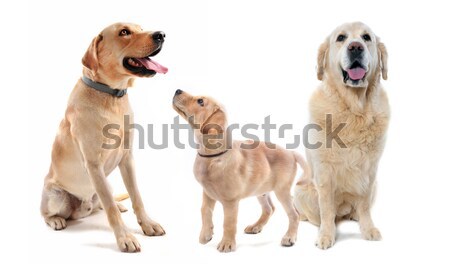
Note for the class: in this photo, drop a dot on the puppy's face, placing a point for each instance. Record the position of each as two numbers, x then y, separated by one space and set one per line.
353 54
124 49
200 112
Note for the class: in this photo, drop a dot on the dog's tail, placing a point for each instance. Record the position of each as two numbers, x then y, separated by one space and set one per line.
121 197
306 177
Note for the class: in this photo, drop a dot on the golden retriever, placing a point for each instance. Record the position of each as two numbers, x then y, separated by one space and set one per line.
342 184
80 160
230 171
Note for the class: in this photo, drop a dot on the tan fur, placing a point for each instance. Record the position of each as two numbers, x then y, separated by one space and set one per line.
80 164
342 184
238 173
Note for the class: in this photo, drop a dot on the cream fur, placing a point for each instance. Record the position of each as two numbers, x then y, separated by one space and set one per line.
342 183
238 173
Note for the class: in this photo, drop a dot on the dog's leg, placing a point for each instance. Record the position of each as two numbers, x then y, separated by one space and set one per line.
325 189
267 210
368 229
285 198
55 206
125 240
306 202
207 224
228 242
149 227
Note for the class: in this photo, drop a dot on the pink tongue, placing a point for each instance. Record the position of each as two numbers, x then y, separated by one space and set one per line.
152 65
356 73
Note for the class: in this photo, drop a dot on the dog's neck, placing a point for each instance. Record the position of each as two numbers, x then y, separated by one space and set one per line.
113 82
358 99
212 144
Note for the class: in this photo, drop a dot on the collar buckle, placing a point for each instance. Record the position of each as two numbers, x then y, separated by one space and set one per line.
120 93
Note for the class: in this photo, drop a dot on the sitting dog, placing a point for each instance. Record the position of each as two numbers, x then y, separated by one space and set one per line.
230 172
350 64
80 160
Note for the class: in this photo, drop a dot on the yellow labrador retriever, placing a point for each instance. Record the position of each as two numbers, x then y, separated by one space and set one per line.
342 184
231 171
82 157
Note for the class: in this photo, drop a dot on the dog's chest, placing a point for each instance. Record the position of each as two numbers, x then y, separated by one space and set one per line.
212 177
119 140
364 137
353 162
108 132
366 132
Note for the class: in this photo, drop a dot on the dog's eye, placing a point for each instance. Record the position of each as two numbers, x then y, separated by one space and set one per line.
124 32
200 102
366 37
341 38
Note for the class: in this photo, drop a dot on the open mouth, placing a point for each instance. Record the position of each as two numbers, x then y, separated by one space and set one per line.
144 66
356 72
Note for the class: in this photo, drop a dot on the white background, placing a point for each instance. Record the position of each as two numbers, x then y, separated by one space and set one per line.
258 58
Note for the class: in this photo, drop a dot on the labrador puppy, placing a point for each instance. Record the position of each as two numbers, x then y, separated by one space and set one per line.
342 183
82 157
230 171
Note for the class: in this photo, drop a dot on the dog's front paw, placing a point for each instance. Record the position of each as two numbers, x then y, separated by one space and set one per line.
205 235
56 222
152 228
288 241
128 243
226 245
372 234
325 241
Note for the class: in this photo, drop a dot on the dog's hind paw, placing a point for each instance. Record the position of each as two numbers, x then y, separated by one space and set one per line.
56 222
253 229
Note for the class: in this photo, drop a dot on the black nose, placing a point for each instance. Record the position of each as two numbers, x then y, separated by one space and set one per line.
355 48
178 91
158 36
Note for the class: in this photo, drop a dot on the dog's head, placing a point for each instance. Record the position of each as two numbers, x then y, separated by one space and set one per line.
352 54
124 50
201 112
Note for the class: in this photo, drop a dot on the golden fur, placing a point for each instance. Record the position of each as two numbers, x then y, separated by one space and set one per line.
342 183
77 177
238 173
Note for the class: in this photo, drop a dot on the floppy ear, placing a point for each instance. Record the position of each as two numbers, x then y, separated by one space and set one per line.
322 59
382 59
215 123
90 59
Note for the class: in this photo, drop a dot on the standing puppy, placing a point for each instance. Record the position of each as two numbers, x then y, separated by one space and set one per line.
231 172
82 156
342 184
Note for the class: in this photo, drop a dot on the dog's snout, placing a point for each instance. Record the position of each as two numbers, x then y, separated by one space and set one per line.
158 36
178 92
356 48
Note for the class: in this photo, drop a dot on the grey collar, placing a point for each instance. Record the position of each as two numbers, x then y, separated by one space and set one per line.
103 87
